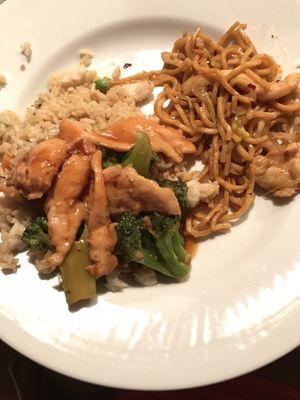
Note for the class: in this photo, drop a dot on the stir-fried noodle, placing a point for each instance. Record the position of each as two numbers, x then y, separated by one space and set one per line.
230 102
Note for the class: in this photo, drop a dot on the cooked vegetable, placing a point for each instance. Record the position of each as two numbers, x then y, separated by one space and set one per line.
180 190
139 156
206 100
111 158
36 235
102 84
136 244
170 243
154 160
129 244
237 127
78 283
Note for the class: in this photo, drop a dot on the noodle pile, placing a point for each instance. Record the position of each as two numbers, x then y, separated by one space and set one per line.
210 93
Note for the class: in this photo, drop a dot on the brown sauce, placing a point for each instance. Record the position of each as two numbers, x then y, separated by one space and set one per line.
191 245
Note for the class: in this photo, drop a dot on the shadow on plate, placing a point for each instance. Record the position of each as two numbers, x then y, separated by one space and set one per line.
277 201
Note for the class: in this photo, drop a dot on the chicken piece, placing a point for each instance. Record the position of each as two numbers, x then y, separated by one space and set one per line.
166 140
129 191
69 132
34 175
277 89
194 84
64 210
102 234
280 89
279 171
198 192
139 91
82 145
70 77
122 136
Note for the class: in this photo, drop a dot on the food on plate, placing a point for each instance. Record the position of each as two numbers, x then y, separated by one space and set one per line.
92 187
3 81
233 105
279 170
26 50
86 57
122 135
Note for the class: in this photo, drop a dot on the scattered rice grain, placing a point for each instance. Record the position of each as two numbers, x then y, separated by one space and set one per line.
86 57
116 73
26 51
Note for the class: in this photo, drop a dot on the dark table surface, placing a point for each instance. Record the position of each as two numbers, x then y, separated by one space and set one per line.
22 379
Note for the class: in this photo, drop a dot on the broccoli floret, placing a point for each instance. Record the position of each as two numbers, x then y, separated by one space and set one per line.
111 158
180 190
129 232
136 244
170 242
154 160
36 235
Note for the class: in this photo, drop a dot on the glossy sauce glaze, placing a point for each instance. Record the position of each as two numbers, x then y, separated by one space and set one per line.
191 245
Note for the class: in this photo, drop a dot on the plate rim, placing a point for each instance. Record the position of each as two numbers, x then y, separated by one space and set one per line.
84 376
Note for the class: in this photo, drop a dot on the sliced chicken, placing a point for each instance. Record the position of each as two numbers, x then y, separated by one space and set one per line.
82 145
70 77
34 175
194 84
200 192
129 191
279 171
65 211
122 136
139 91
201 83
277 89
102 234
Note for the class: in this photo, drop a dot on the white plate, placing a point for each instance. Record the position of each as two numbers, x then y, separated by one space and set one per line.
240 307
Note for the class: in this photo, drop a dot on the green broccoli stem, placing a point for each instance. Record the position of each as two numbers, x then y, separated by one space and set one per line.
156 249
165 245
178 246
151 257
78 284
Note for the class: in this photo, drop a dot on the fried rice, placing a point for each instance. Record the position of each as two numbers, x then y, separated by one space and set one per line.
70 94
